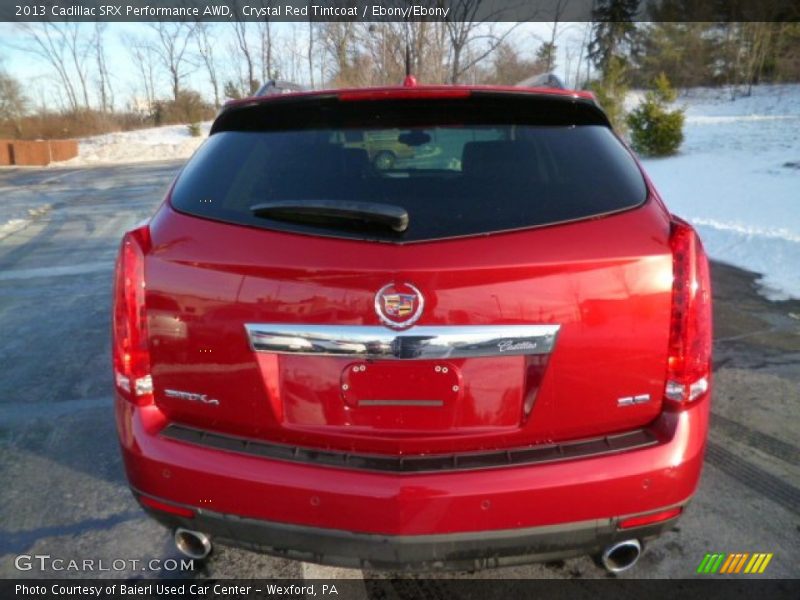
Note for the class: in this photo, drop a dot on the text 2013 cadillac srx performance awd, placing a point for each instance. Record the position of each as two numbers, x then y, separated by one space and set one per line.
414 327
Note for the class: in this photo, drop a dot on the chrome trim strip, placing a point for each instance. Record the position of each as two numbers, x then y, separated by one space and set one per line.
631 400
371 342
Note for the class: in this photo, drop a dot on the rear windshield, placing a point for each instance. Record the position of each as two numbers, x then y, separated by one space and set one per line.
452 179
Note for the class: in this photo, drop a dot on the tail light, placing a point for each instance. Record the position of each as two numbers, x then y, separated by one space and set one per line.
131 356
689 362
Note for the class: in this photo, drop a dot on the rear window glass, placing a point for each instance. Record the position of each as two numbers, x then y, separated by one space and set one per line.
453 179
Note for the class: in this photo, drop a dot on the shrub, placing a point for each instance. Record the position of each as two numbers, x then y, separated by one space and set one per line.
189 107
655 130
194 129
70 124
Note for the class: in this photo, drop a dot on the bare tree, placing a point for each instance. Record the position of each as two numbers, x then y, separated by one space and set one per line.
339 41
548 53
39 88
473 34
13 102
509 67
205 48
171 49
104 90
357 54
268 70
292 52
48 42
243 46
144 57
376 40
758 43
431 51
310 52
78 47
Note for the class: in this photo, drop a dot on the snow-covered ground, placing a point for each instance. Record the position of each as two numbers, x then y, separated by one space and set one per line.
737 179
155 143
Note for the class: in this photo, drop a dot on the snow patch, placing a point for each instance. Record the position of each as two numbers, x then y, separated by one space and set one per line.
781 233
774 254
12 224
734 180
715 120
171 142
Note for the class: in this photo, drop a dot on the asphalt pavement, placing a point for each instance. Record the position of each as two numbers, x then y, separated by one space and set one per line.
62 487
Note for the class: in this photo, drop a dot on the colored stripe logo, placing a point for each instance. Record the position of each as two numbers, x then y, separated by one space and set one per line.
734 563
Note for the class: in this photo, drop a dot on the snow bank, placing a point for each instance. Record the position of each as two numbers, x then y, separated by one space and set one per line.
737 179
765 100
156 143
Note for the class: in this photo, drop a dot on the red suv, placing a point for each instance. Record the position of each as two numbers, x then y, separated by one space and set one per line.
494 351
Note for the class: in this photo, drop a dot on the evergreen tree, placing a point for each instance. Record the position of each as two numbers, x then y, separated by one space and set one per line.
684 51
656 130
546 56
613 32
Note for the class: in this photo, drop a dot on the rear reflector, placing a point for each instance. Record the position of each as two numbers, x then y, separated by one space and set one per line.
131 355
167 508
664 515
689 360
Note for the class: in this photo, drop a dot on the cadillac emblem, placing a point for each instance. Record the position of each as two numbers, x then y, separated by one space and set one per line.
399 305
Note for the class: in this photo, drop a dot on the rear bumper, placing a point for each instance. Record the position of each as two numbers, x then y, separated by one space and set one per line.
340 516
453 551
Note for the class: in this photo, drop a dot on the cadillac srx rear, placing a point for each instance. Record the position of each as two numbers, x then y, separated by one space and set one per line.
492 346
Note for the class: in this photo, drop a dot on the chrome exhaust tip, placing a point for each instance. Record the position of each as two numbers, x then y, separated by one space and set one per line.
192 544
621 556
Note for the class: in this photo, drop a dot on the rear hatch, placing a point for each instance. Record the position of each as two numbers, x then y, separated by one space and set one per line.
505 281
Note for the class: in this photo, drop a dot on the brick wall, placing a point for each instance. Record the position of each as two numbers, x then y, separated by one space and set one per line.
5 152
36 153
30 153
63 149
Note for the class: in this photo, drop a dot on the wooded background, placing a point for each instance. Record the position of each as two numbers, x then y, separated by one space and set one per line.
181 72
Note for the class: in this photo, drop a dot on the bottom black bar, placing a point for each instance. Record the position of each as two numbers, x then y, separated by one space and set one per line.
401 589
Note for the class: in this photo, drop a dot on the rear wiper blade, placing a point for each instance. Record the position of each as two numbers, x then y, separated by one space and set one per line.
389 215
